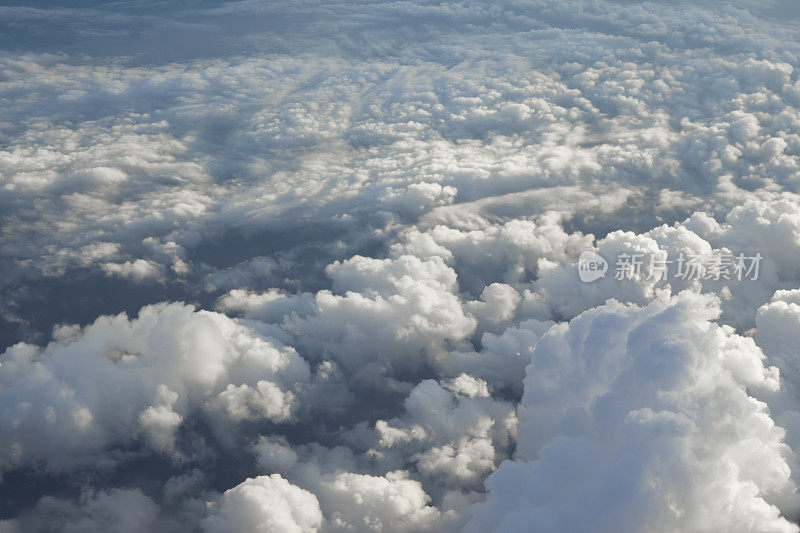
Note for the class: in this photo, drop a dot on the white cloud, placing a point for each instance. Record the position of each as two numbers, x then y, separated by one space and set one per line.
640 418
391 198
137 271
98 387
265 503
390 503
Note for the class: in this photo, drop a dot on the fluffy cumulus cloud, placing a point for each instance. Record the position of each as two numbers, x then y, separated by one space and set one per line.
120 380
642 418
265 503
319 267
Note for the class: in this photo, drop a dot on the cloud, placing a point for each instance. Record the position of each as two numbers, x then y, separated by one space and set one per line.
641 418
389 503
454 432
407 306
137 271
124 510
265 503
118 379
375 211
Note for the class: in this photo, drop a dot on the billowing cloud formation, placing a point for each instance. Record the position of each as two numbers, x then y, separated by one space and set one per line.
640 418
314 267
118 380
265 503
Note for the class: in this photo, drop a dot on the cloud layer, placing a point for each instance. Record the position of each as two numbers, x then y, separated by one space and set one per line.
314 267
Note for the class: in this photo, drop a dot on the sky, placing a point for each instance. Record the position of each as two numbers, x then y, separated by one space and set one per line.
399 266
